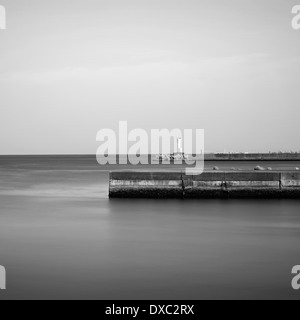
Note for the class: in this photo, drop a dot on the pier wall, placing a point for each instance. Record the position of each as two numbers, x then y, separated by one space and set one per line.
252 157
207 185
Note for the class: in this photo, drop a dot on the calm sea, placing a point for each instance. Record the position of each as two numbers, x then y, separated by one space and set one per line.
61 237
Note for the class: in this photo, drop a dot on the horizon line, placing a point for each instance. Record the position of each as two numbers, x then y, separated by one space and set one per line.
149 154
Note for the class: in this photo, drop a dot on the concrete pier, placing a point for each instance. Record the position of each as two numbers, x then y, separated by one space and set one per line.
242 184
283 156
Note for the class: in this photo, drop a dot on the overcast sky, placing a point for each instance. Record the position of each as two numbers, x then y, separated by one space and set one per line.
70 68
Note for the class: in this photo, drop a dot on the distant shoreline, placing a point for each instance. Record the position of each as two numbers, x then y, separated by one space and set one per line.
284 156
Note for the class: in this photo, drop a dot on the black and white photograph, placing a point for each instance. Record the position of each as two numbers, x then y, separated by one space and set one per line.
149 153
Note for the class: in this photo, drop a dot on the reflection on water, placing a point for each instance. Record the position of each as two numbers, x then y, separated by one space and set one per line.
61 237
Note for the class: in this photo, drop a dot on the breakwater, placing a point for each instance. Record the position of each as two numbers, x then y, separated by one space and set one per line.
223 185
252 156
